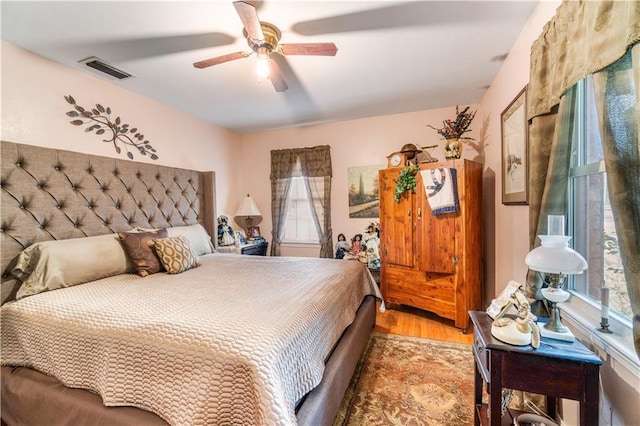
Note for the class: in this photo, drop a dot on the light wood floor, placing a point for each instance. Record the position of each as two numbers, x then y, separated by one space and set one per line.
415 322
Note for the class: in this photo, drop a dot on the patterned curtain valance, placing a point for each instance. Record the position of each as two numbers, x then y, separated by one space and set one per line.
314 162
583 37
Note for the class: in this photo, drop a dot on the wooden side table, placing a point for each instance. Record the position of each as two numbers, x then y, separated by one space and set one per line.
564 370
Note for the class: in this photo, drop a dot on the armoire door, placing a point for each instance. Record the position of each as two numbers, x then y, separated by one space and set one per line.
396 223
435 236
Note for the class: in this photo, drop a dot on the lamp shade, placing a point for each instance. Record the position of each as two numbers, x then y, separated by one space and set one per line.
554 256
248 209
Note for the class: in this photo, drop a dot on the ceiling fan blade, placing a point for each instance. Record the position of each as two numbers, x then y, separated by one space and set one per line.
220 59
318 49
276 77
249 18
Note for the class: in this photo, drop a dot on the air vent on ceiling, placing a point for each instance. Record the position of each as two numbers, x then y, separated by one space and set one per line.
102 66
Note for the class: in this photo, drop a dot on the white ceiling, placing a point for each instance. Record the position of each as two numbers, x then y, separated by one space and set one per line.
393 56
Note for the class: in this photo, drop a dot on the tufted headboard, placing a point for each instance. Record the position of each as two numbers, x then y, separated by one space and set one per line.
50 194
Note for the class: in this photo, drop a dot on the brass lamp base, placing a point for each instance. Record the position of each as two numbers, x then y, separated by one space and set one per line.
554 323
554 328
249 222
554 294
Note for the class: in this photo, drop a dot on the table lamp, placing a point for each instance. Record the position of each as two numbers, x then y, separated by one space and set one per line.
555 260
248 214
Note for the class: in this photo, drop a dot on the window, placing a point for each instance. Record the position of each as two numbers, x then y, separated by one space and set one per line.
299 226
590 216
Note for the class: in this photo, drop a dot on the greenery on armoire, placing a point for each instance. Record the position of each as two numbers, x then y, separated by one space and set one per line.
406 181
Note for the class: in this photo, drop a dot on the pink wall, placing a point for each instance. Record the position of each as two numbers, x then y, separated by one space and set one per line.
507 226
33 112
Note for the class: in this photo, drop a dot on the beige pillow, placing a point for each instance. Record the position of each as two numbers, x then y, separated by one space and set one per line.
50 265
197 236
176 254
139 248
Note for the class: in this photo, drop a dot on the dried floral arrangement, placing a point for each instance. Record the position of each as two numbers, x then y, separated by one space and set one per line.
117 132
455 129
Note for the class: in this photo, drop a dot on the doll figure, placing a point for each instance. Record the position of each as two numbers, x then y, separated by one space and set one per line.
342 246
372 241
226 236
356 244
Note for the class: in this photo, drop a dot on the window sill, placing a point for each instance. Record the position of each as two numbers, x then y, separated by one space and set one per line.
299 244
617 347
299 249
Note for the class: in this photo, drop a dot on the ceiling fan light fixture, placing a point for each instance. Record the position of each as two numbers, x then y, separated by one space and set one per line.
262 62
263 38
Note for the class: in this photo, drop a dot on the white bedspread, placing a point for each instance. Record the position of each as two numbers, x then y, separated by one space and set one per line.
236 341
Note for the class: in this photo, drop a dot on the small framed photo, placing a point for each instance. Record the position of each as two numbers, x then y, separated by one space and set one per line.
515 151
254 231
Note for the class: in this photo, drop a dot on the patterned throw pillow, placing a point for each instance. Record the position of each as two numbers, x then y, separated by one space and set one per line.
138 246
176 254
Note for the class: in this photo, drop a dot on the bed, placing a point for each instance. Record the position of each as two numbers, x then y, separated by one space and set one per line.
232 340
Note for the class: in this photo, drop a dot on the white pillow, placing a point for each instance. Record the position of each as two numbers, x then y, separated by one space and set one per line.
50 265
197 236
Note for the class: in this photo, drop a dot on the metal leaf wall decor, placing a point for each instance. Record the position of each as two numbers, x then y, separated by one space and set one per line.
118 133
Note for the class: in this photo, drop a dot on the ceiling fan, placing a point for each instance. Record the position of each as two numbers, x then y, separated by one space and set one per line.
264 38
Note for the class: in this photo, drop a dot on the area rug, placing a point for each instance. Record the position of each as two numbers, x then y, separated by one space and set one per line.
410 381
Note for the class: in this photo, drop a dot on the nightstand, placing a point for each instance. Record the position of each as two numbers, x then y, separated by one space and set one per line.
250 249
556 369
255 249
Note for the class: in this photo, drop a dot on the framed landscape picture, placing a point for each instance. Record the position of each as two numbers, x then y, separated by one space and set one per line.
364 194
515 151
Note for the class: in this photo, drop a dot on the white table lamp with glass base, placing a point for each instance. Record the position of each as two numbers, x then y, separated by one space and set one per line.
554 259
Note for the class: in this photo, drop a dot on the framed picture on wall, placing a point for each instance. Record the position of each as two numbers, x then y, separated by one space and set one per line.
364 194
515 151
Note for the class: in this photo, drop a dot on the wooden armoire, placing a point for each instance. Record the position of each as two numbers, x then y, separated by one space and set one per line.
433 262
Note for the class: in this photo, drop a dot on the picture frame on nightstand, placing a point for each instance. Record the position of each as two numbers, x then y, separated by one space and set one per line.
254 232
